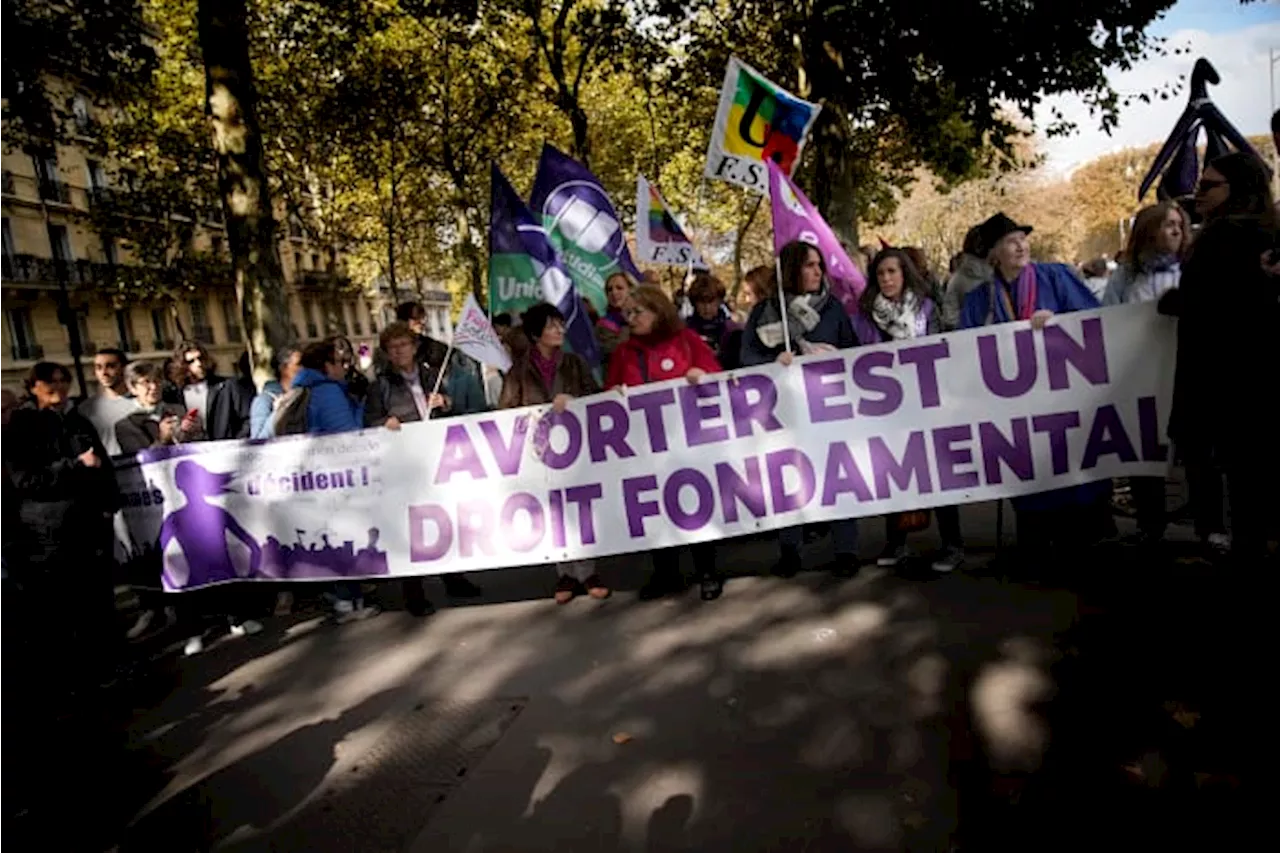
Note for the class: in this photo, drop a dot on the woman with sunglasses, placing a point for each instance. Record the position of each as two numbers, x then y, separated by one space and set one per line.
661 347
1227 307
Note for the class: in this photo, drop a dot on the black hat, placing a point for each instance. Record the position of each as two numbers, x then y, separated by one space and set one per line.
997 227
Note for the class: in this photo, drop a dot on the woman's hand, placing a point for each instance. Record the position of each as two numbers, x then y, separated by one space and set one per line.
560 403
821 347
1040 318
89 459
785 358
189 425
393 424
695 375
437 401
166 430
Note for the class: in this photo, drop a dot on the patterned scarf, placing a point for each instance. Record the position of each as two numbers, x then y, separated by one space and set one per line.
900 319
546 367
803 313
1024 291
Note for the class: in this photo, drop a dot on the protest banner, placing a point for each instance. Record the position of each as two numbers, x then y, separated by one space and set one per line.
968 416
795 218
584 227
757 121
659 237
524 268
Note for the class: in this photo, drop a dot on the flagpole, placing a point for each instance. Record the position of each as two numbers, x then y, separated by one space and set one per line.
440 374
782 303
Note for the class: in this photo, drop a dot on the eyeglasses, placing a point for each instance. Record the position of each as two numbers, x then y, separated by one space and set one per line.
1207 184
632 313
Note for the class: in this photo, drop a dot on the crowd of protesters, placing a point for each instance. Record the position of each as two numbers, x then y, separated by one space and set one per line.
1219 278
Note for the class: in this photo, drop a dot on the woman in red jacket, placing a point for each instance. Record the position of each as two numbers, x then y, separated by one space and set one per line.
660 348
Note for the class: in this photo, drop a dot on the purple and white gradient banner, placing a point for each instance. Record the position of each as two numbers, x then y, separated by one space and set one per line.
955 418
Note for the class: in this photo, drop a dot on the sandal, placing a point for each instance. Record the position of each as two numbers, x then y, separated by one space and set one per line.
566 589
596 588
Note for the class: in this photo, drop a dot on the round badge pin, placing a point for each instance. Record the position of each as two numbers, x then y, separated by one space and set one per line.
668 363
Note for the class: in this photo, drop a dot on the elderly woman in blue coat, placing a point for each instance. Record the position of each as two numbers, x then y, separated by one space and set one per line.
1024 290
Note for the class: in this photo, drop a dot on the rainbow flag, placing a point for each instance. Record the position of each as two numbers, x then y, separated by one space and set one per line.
757 121
659 237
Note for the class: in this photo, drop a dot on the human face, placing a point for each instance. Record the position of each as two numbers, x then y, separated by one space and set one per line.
1171 232
148 391
811 272
616 290
640 319
1012 253
335 370
418 322
290 369
552 336
109 371
889 277
52 394
1212 191
195 364
401 352
708 309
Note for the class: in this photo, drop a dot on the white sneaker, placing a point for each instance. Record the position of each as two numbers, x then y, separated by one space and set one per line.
357 611
1219 542
951 559
248 628
194 646
893 559
145 618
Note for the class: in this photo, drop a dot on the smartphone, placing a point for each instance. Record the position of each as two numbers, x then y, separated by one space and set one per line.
192 414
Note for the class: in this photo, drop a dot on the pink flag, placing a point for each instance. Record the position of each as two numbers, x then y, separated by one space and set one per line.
794 218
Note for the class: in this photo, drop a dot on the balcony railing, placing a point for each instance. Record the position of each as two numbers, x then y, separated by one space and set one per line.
320 279
129 345
47 272
163 344
55 191
27 352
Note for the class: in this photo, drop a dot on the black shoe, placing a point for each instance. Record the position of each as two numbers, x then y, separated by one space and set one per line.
847 566
458 586
663 582
420 607
789 565
711 587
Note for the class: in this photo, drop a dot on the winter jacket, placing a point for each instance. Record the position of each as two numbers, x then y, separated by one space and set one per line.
524 385
639 360
717 334
869 333
1228 313
230 403
1058 289
330 409
141 429
833 328
611 330
1129 285
390 397
62 504
263 407
972 272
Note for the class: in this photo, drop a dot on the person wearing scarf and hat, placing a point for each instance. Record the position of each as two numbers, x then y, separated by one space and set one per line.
817 322
1024 290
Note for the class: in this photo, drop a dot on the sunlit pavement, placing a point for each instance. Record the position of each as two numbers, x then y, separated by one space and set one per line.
801 714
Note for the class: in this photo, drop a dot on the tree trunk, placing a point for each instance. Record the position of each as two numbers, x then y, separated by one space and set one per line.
231 101
581 143
737 245
834 187
469 251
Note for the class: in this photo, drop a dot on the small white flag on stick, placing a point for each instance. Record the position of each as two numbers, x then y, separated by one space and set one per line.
475 336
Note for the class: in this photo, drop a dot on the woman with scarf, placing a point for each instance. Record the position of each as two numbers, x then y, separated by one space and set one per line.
710 319
1228 311
544 373
1024 290
817 323
611 329
896 306
1150 267
658 348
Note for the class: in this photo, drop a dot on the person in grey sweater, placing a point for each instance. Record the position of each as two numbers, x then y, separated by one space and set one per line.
972 272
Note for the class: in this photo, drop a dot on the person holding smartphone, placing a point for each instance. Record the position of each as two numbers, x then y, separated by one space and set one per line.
155 422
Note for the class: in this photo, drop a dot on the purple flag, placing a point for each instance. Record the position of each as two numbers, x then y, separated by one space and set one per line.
794 218
520 252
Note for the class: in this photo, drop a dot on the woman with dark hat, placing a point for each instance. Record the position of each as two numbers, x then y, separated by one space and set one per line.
1228 310
1024 290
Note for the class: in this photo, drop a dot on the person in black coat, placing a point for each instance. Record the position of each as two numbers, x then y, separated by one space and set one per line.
1224 416
65 489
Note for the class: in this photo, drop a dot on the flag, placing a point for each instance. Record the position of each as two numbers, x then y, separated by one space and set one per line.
757 121
475 336
659 237
524 264
795 218
583 225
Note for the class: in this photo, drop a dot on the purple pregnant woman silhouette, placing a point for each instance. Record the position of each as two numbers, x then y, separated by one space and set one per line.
201 529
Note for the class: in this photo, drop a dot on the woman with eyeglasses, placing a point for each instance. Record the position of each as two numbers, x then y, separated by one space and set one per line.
1224 384
661 347
815 322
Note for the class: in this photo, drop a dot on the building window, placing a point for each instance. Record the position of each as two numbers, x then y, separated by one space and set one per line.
97 178
51 186
80 111
8 249
231 316
373 319
215 246
82 327
356 322
309 315
124 331
59 243
340 311
160 330
315 261
109 253
200 328
22 336
297 264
